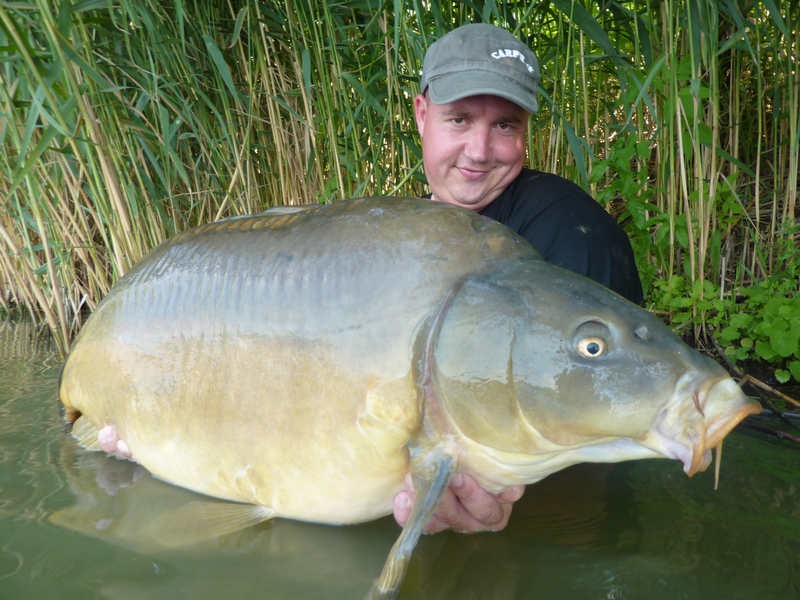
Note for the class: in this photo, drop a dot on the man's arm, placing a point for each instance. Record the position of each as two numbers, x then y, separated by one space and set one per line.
466 506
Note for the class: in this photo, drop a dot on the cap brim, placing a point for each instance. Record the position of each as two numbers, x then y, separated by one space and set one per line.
456 86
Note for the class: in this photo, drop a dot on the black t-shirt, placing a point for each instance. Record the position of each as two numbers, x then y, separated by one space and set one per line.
569 229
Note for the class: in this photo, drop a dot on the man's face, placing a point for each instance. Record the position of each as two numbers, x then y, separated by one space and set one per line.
472 148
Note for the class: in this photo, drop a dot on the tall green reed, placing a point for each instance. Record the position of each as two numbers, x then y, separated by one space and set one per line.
124 122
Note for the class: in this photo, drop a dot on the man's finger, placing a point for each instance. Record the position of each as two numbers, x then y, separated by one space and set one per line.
404 501
481 511
511 495
465 507
402 507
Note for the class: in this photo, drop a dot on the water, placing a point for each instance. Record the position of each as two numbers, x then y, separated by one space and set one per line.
79 525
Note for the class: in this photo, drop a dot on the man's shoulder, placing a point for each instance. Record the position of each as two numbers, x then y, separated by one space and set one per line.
530 179
569 228
533 195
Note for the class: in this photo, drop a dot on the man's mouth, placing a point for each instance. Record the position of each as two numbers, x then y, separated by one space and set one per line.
468 173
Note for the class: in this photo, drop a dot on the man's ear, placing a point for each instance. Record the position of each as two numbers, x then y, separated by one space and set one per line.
420 112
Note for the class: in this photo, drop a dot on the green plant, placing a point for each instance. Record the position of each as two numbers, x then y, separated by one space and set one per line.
767 327
626 191
124 122
752 322
766 324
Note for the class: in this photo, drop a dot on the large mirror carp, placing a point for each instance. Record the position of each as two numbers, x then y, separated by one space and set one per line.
301 361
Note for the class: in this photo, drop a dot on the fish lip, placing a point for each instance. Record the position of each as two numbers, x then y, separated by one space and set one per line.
716 434
697 419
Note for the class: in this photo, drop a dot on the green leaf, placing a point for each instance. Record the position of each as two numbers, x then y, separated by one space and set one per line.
741 320
222 66
681 233
706 135
764 350
784 342
86 68
727 156
790 311
31 160
677 282
364 94
773 305
779 325
645 88
681 302
729 334
704 305
678 318
237 29
794 368
638 212
782 376
598 171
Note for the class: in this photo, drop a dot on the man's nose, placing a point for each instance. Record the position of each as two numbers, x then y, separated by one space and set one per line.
478 147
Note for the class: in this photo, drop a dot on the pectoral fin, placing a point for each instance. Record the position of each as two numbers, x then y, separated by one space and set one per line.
429 494
198 521
86 433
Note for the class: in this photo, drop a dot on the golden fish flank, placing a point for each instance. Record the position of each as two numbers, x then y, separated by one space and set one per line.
265 358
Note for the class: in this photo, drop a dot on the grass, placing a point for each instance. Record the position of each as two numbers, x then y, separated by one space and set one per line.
123 122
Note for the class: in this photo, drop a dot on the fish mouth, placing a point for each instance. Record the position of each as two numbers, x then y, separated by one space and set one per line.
697 419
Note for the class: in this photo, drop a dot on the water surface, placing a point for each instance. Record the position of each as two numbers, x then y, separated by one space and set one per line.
75 524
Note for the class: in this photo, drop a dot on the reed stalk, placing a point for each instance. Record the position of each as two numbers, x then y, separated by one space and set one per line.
122 123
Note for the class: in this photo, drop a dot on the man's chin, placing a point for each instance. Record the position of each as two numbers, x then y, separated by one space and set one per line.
470 198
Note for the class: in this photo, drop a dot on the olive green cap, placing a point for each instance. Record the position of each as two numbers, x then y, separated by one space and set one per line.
480 59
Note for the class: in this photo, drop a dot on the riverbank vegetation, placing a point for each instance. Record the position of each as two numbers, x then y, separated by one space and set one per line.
123 122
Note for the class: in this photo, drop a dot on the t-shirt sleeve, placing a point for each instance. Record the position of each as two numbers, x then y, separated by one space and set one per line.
576 233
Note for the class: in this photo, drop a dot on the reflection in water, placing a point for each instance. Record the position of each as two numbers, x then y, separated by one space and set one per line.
75 524
121 503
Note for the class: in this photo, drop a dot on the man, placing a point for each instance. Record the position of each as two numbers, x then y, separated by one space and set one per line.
478 90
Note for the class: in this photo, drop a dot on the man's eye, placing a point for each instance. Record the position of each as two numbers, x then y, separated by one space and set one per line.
504 126
458 120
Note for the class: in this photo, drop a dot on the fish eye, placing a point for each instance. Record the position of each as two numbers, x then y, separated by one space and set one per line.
592 347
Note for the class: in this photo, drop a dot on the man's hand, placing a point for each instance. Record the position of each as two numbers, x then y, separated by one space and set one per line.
465 507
